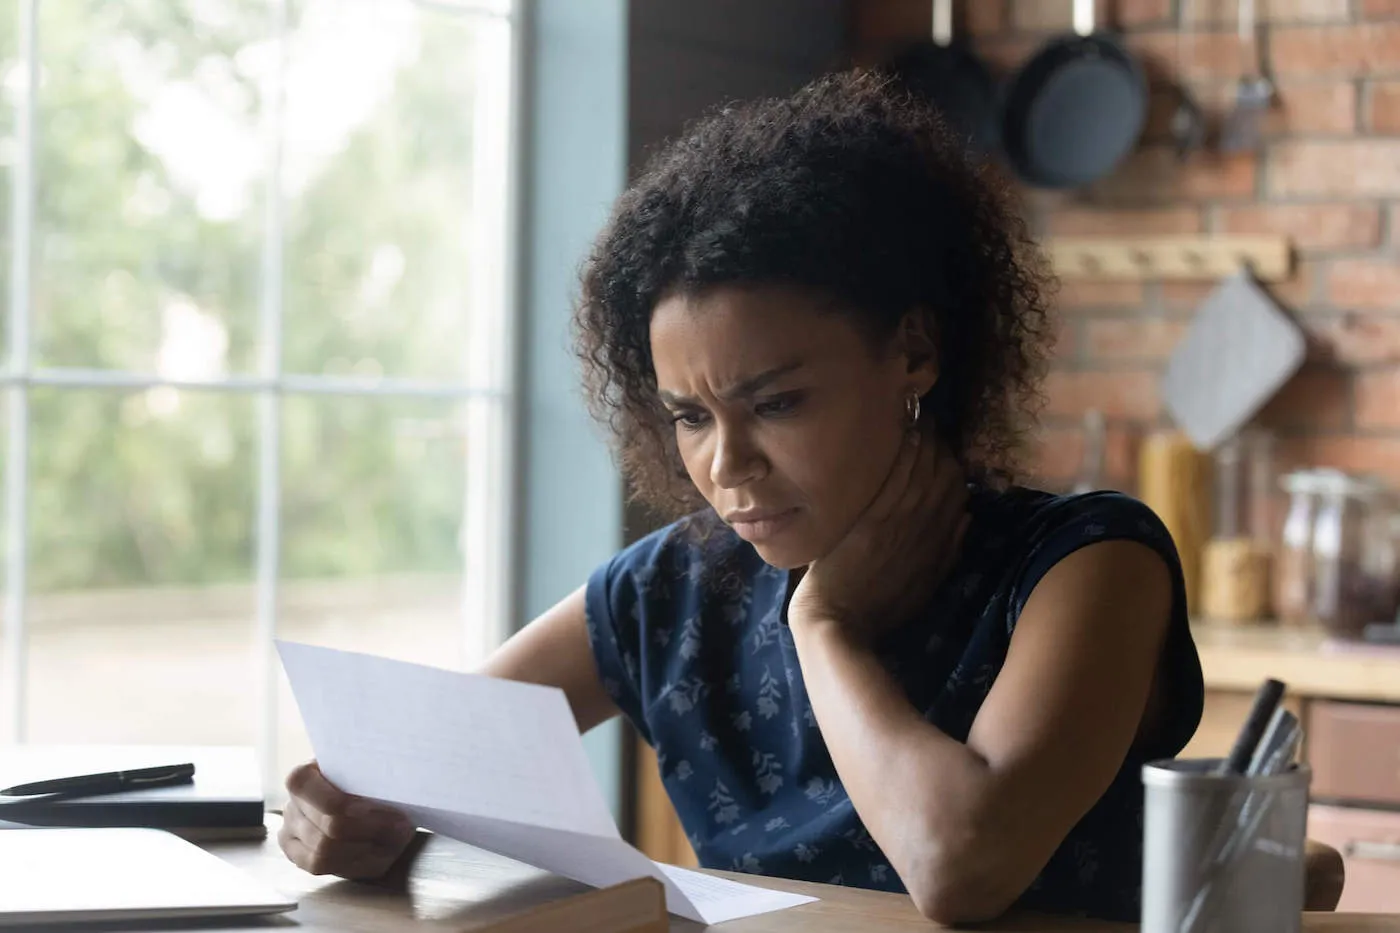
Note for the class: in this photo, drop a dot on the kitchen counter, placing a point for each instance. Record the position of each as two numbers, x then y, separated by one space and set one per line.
1235 657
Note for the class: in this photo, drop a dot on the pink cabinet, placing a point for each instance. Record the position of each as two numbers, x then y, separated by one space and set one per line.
1369 841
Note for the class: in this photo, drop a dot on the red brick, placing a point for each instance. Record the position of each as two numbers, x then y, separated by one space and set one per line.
1065 344
1380 9
1138 338
1186 295
1217 13
1130 393
1086 294
1366 284
1206 55
1378 399
1058 453
1382 114
1309 226
1357 168
1131 14
1299 291
1361 49
1312 108
1378 455
1147 222
1317 398
1358 338
1154 175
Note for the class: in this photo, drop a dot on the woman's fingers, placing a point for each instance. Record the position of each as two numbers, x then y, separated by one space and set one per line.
313 851
327 831
339 815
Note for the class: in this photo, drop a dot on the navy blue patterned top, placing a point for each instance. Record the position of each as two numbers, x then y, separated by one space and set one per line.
688 632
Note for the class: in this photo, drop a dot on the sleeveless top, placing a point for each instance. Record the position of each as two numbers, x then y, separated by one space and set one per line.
689 636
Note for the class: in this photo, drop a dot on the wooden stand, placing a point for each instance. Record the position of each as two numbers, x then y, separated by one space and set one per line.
1205 258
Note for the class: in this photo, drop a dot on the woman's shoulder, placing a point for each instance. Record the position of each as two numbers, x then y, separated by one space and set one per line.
1026 532
1030 516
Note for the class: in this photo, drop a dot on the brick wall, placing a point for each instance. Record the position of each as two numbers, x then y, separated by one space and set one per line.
1328 176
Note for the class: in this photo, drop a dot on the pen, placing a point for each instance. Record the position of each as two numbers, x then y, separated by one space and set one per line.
108 782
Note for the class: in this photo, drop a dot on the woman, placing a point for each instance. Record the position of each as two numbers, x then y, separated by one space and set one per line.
866 656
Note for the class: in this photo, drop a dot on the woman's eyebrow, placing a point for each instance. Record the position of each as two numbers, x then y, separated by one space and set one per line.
742 389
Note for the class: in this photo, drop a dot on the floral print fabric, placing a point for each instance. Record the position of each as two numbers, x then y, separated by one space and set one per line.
690 640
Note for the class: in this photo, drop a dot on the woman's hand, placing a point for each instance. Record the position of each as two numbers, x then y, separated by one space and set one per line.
326 831
899 550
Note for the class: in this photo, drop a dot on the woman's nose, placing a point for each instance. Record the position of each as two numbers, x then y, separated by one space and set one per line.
736 459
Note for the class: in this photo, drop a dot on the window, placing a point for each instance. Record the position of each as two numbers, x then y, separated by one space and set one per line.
258 353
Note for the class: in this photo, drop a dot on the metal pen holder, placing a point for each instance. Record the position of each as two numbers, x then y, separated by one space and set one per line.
1222 853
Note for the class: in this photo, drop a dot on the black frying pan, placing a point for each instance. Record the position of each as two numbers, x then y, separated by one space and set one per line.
950 77
1075 108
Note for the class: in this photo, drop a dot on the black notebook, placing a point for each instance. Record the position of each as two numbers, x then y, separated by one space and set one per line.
226 793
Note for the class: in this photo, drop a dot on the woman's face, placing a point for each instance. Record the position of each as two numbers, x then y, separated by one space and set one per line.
787 419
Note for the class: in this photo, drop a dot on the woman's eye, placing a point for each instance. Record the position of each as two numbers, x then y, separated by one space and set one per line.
690 420
777 405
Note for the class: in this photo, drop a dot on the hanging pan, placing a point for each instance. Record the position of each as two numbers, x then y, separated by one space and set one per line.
1075 109
950 77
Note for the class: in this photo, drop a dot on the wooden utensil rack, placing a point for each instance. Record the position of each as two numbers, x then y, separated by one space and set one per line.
1269 258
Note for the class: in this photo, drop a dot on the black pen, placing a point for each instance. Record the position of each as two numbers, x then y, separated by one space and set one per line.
108 782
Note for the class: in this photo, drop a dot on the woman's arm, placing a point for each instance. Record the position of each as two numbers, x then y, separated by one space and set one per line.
968 827
554 650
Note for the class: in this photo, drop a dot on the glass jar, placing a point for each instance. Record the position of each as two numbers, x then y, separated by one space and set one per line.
1245 487
1236 564
1352 572
1293 565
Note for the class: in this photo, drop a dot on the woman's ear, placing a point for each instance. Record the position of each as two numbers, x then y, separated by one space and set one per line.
918 343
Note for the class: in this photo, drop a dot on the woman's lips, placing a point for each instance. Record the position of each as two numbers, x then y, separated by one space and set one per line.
756 526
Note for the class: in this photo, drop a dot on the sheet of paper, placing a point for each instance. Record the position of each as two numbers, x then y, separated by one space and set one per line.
457 742
719 899
493 763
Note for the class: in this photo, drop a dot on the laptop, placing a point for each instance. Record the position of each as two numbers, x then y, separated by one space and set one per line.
120 873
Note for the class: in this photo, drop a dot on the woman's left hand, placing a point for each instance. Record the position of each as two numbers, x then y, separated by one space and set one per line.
897 553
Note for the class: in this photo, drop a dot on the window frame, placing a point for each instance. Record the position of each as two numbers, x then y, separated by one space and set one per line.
488 391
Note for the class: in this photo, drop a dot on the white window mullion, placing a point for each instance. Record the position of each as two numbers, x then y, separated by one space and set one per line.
17 401
488 500
269 530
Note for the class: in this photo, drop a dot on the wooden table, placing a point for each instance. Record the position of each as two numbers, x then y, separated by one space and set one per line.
455 887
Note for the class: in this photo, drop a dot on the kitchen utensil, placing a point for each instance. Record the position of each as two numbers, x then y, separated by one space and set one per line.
1261 711
1253 94
1090 478
1238 351
1075 108
1188 123
953 79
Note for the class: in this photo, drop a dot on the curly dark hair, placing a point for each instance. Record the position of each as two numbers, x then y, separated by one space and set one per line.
850 188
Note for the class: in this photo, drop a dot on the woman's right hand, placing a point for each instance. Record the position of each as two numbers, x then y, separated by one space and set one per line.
326 831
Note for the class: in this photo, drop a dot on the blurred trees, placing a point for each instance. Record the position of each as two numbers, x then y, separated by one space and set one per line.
149 234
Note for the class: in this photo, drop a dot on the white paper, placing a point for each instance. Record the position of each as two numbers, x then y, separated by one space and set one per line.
719 899
493 763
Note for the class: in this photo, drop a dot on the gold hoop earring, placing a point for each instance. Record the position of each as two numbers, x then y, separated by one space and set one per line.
912 409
